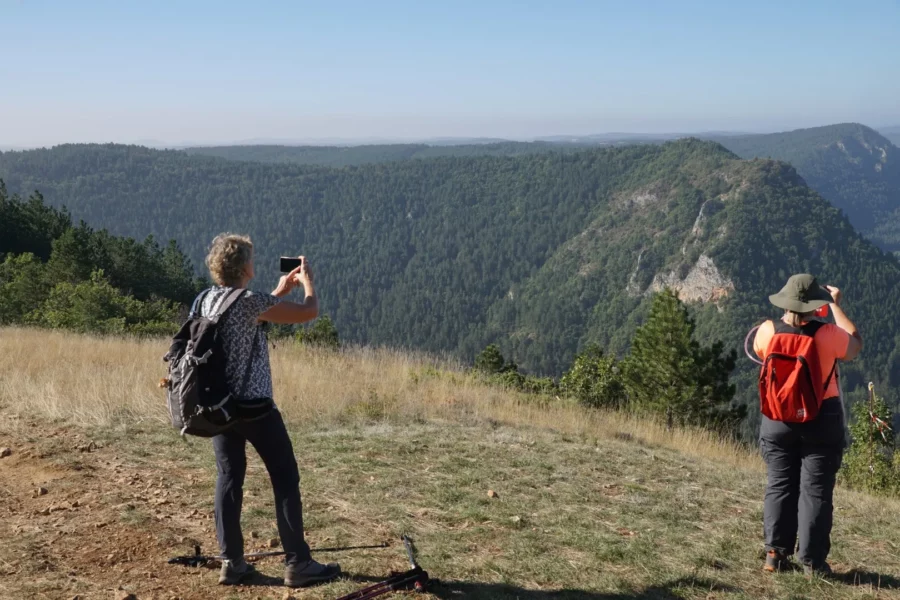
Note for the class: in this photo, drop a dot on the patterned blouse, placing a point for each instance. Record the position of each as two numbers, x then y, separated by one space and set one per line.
243 337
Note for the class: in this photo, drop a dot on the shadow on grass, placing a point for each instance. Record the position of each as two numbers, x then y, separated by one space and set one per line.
261 580
868 578
666 591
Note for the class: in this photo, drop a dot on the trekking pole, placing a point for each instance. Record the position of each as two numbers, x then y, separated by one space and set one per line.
198 560
415 578
872 428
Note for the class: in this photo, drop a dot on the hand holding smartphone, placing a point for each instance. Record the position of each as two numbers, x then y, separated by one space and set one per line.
289 263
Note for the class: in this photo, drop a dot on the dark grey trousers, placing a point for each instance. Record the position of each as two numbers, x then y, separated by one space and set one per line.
803 460
269 437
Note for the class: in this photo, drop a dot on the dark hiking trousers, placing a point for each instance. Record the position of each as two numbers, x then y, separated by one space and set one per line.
269 437
803 460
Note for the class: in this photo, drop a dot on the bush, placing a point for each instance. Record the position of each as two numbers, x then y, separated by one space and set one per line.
594 380
322 333
95 306
544 386
491 362
872 463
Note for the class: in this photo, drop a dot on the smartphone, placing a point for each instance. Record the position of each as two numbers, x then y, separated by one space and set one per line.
289 263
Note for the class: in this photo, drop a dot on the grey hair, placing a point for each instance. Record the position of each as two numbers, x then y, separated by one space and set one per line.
228 256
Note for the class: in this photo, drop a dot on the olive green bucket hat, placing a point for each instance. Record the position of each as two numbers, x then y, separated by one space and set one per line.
801 294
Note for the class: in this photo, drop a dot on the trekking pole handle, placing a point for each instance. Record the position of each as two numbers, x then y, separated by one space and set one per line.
410 551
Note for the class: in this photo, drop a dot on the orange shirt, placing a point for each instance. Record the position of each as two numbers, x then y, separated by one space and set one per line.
831 345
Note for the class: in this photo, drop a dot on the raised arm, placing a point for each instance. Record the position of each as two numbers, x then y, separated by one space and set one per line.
843 321
287 312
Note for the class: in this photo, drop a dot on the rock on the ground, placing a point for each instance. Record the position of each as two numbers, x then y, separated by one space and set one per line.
492 494
4 452
274 543
123 595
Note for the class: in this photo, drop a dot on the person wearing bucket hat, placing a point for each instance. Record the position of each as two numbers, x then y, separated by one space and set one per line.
803 451
802 294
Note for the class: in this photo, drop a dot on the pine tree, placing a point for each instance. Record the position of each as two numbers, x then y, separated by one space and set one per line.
669 374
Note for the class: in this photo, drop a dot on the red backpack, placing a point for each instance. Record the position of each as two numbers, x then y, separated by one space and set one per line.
789 385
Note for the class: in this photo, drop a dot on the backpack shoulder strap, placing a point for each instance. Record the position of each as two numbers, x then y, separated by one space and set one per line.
198 303
812 328
227 302
782 327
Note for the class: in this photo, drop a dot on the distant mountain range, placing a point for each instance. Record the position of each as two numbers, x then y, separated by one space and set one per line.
891 133
851 165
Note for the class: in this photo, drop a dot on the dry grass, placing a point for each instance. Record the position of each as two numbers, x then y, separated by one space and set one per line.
104 381
590 505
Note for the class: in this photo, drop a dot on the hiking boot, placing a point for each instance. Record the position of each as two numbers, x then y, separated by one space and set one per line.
310 573
822 569
233 571
776 562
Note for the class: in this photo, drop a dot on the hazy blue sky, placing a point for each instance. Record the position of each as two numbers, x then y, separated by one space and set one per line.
127 70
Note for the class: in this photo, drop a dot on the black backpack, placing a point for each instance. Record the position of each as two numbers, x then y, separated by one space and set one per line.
199 400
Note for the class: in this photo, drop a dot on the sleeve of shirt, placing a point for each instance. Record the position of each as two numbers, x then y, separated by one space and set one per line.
253 304
835 339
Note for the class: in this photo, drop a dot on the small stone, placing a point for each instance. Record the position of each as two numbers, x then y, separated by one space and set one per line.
254 535
45 512
76 504
493 494
274 543
4 452
123 595
41 491
516 519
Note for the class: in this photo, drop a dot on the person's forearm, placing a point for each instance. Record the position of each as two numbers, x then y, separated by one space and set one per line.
844 322
310 300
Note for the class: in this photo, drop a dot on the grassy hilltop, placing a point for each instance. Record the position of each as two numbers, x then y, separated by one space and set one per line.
589 505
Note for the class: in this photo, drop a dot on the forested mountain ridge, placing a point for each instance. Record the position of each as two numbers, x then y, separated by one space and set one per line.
851 165
541 253
345 156
854 167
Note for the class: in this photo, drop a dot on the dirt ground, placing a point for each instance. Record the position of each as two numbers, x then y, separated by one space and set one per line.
80 521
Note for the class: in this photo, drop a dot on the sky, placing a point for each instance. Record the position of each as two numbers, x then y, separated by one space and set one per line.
199 72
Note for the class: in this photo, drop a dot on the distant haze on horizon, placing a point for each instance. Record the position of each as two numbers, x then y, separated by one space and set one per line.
205 73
